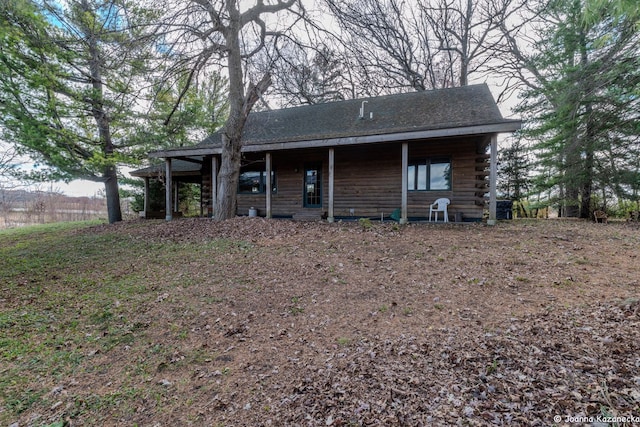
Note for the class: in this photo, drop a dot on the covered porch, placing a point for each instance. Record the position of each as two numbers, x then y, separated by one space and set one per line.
336 182
359 158
183 171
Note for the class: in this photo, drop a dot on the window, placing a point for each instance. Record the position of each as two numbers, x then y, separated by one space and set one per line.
255 182
429 174
313 186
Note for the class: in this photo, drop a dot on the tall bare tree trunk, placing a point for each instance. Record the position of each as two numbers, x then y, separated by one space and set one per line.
588 141
225 38
240 104
465 34
572 184
232 132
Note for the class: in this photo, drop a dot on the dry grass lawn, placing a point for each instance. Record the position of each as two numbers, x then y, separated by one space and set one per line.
266 322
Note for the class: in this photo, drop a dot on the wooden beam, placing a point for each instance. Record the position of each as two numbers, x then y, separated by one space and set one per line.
168 208
190 159
214 183
269 184
330 216
493 180
176 202
146 195
405 183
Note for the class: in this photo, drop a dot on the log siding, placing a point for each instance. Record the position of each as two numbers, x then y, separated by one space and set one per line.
370 155
368 180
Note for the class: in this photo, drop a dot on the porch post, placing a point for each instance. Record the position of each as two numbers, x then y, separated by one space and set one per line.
175 196
269 184
214 183
493 178
146 196
330 216
168 206
405 167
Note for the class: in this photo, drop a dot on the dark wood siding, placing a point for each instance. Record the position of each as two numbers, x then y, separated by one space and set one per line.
468 185
368 179
205 191
289 171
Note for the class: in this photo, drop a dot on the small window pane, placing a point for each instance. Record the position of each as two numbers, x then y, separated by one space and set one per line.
411 175
422 177
440 176
250 182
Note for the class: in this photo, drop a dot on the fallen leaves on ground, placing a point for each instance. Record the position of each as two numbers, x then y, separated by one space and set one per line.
316 324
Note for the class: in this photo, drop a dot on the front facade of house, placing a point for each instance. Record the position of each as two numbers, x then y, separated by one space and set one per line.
362 158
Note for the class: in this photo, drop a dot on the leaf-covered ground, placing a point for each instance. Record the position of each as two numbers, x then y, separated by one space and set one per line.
258 322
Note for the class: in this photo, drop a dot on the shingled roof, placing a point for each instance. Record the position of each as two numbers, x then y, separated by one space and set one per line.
420 114
178 168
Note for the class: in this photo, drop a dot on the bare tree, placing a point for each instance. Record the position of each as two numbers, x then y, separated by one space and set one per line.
304 76
9 163
206 33
381 36
466 32
424 44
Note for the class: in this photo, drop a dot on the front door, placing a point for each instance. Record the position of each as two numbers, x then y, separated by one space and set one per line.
313 185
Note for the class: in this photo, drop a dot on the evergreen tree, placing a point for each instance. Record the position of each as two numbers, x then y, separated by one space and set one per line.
201 110
583 102
514 169
69 77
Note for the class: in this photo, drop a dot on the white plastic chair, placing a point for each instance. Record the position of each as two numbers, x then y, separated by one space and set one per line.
439 205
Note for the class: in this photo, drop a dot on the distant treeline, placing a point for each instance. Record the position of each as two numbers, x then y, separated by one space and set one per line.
22 207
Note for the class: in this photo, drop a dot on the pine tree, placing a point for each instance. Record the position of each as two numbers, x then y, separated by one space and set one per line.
514 172
583 105
69 75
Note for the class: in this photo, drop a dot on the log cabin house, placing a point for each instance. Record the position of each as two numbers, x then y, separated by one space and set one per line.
359 158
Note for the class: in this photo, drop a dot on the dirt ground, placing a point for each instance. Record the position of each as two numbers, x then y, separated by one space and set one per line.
348 324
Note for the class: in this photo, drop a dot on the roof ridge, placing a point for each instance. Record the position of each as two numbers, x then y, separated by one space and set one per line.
416 111
429 92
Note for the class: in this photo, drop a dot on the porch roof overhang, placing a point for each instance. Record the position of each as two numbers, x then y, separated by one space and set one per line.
199 151
182 167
